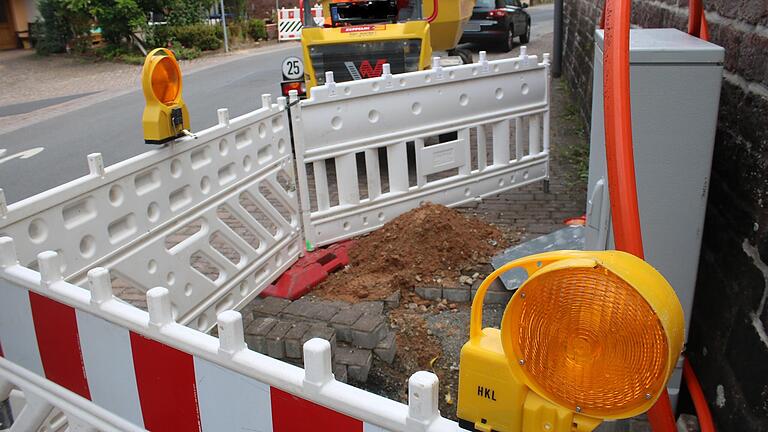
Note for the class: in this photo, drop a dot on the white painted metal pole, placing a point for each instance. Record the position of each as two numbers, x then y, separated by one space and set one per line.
224 26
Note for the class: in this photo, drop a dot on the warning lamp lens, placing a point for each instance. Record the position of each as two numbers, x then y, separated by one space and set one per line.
166 82
299 86
586 338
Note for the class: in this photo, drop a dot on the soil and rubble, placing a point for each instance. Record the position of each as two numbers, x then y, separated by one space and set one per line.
431 256
407 283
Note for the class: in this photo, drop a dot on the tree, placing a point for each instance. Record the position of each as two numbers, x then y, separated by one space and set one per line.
186 12
63 22
118 18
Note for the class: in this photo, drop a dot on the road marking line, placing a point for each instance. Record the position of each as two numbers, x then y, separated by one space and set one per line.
26 154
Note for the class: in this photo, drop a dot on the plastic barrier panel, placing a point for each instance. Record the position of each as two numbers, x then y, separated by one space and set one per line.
370 150
110 366
215 219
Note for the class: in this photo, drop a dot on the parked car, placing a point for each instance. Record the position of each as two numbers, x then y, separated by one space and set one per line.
499 22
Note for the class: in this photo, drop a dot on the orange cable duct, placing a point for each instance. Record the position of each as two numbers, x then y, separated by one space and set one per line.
620 159
699 400
695 15
621 169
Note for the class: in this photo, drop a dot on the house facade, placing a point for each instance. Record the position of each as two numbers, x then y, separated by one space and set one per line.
15 16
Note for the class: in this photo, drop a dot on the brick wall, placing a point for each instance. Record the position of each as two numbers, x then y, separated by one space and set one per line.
728 344
264 8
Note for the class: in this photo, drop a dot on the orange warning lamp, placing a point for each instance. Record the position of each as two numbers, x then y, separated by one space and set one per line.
589 336
165 115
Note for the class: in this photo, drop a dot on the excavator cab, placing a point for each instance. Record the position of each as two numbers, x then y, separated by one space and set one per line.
358 37
362 12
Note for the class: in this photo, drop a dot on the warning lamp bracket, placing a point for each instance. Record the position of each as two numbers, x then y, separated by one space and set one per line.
177 119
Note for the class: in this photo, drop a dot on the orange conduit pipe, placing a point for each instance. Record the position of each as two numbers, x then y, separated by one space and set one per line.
621 167
697 21
618 129
697 395
620 159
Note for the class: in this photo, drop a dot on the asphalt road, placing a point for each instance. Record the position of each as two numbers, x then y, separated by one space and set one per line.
542 19
113 127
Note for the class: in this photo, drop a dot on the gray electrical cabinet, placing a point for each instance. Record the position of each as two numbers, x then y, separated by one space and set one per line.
675 83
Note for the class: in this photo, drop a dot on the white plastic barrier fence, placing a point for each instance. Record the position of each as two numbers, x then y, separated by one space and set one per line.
372 125
110 366
215 219
289 22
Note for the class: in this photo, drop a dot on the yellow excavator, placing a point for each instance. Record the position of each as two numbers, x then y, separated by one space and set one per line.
356 38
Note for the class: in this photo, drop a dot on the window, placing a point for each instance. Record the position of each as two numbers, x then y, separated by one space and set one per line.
3 12
485 4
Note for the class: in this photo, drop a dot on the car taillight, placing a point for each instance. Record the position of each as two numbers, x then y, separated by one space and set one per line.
299 86
497 13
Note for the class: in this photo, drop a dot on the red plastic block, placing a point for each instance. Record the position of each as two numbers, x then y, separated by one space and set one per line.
309 271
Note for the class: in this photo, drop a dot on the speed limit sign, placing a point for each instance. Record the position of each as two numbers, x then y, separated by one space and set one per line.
293 68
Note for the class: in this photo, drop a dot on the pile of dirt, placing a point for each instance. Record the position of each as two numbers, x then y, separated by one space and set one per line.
429 245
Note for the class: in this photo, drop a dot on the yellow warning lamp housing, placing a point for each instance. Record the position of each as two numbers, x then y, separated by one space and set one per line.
165 115
589 336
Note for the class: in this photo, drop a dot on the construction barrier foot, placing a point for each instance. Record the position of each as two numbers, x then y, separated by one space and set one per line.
309 271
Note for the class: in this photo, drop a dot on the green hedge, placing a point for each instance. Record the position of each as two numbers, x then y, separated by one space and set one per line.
202 37
257 29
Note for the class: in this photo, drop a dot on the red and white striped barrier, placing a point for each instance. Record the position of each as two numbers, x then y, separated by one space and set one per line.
290 22
159 375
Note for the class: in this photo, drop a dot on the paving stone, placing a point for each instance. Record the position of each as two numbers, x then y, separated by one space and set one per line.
392 301
324 311
248 317
496 293
430 293
293 340
256 332
368 331
357 360
456 295
496 297
497 285
276 339
321 331
387 348
269 306
340 372
639 426
301 308
370 307
261 326
342 323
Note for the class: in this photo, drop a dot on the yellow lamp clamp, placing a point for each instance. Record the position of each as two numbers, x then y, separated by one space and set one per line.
589 336
165 115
